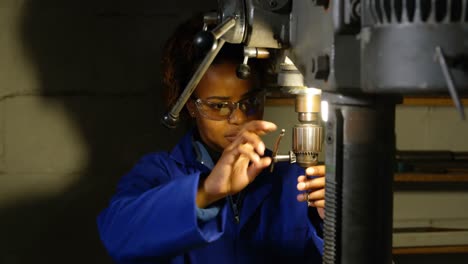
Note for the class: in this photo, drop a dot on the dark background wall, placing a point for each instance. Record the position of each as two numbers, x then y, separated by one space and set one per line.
80 103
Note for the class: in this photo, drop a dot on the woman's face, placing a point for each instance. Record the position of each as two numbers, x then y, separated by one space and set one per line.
220 84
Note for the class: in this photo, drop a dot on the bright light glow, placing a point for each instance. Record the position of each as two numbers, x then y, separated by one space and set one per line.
287 60
324 110
304 90
312 90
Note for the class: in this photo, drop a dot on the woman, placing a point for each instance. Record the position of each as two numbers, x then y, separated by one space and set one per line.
212 198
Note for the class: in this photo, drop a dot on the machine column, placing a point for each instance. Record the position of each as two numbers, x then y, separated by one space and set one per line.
360 147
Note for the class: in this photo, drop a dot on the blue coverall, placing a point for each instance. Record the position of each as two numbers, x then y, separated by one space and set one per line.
153 217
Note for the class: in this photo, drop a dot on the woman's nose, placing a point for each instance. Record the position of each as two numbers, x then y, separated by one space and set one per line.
237 116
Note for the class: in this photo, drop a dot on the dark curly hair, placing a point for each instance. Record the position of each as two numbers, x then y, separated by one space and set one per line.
181 59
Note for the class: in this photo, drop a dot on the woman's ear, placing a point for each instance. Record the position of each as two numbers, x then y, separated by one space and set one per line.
191 108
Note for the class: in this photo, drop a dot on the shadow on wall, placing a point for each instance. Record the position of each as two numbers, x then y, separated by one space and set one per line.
102 67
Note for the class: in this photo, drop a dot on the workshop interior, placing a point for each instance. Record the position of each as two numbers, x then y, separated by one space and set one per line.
360 58
78 90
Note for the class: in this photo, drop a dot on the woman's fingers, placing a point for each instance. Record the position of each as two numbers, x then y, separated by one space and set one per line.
259 127
301 178
255 168
253 139
248 144
250 135
302 197
321 211
313 187
311 196
248 151
246 137
310 184
317 195
318 204
316 170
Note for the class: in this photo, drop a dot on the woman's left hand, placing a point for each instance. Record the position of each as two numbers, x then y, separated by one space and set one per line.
313 187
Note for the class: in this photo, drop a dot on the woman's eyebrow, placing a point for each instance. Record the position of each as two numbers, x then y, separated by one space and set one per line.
247 94
219 97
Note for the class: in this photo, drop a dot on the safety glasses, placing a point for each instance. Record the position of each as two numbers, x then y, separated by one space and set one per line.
222 110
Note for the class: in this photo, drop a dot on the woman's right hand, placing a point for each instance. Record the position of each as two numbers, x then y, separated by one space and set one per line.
239 164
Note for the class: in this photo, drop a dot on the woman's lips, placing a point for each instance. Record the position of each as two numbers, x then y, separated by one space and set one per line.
231 136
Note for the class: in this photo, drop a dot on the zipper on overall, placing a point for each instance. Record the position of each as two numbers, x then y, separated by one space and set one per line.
235 206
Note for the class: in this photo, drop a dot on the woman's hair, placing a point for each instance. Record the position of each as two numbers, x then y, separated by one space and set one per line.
181 59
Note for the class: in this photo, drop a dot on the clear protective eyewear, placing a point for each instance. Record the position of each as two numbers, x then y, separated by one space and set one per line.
222 110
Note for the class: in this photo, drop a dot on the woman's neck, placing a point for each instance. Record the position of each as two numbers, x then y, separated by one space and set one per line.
214 155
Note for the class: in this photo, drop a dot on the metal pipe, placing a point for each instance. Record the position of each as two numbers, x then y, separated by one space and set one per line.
172 117
224 27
